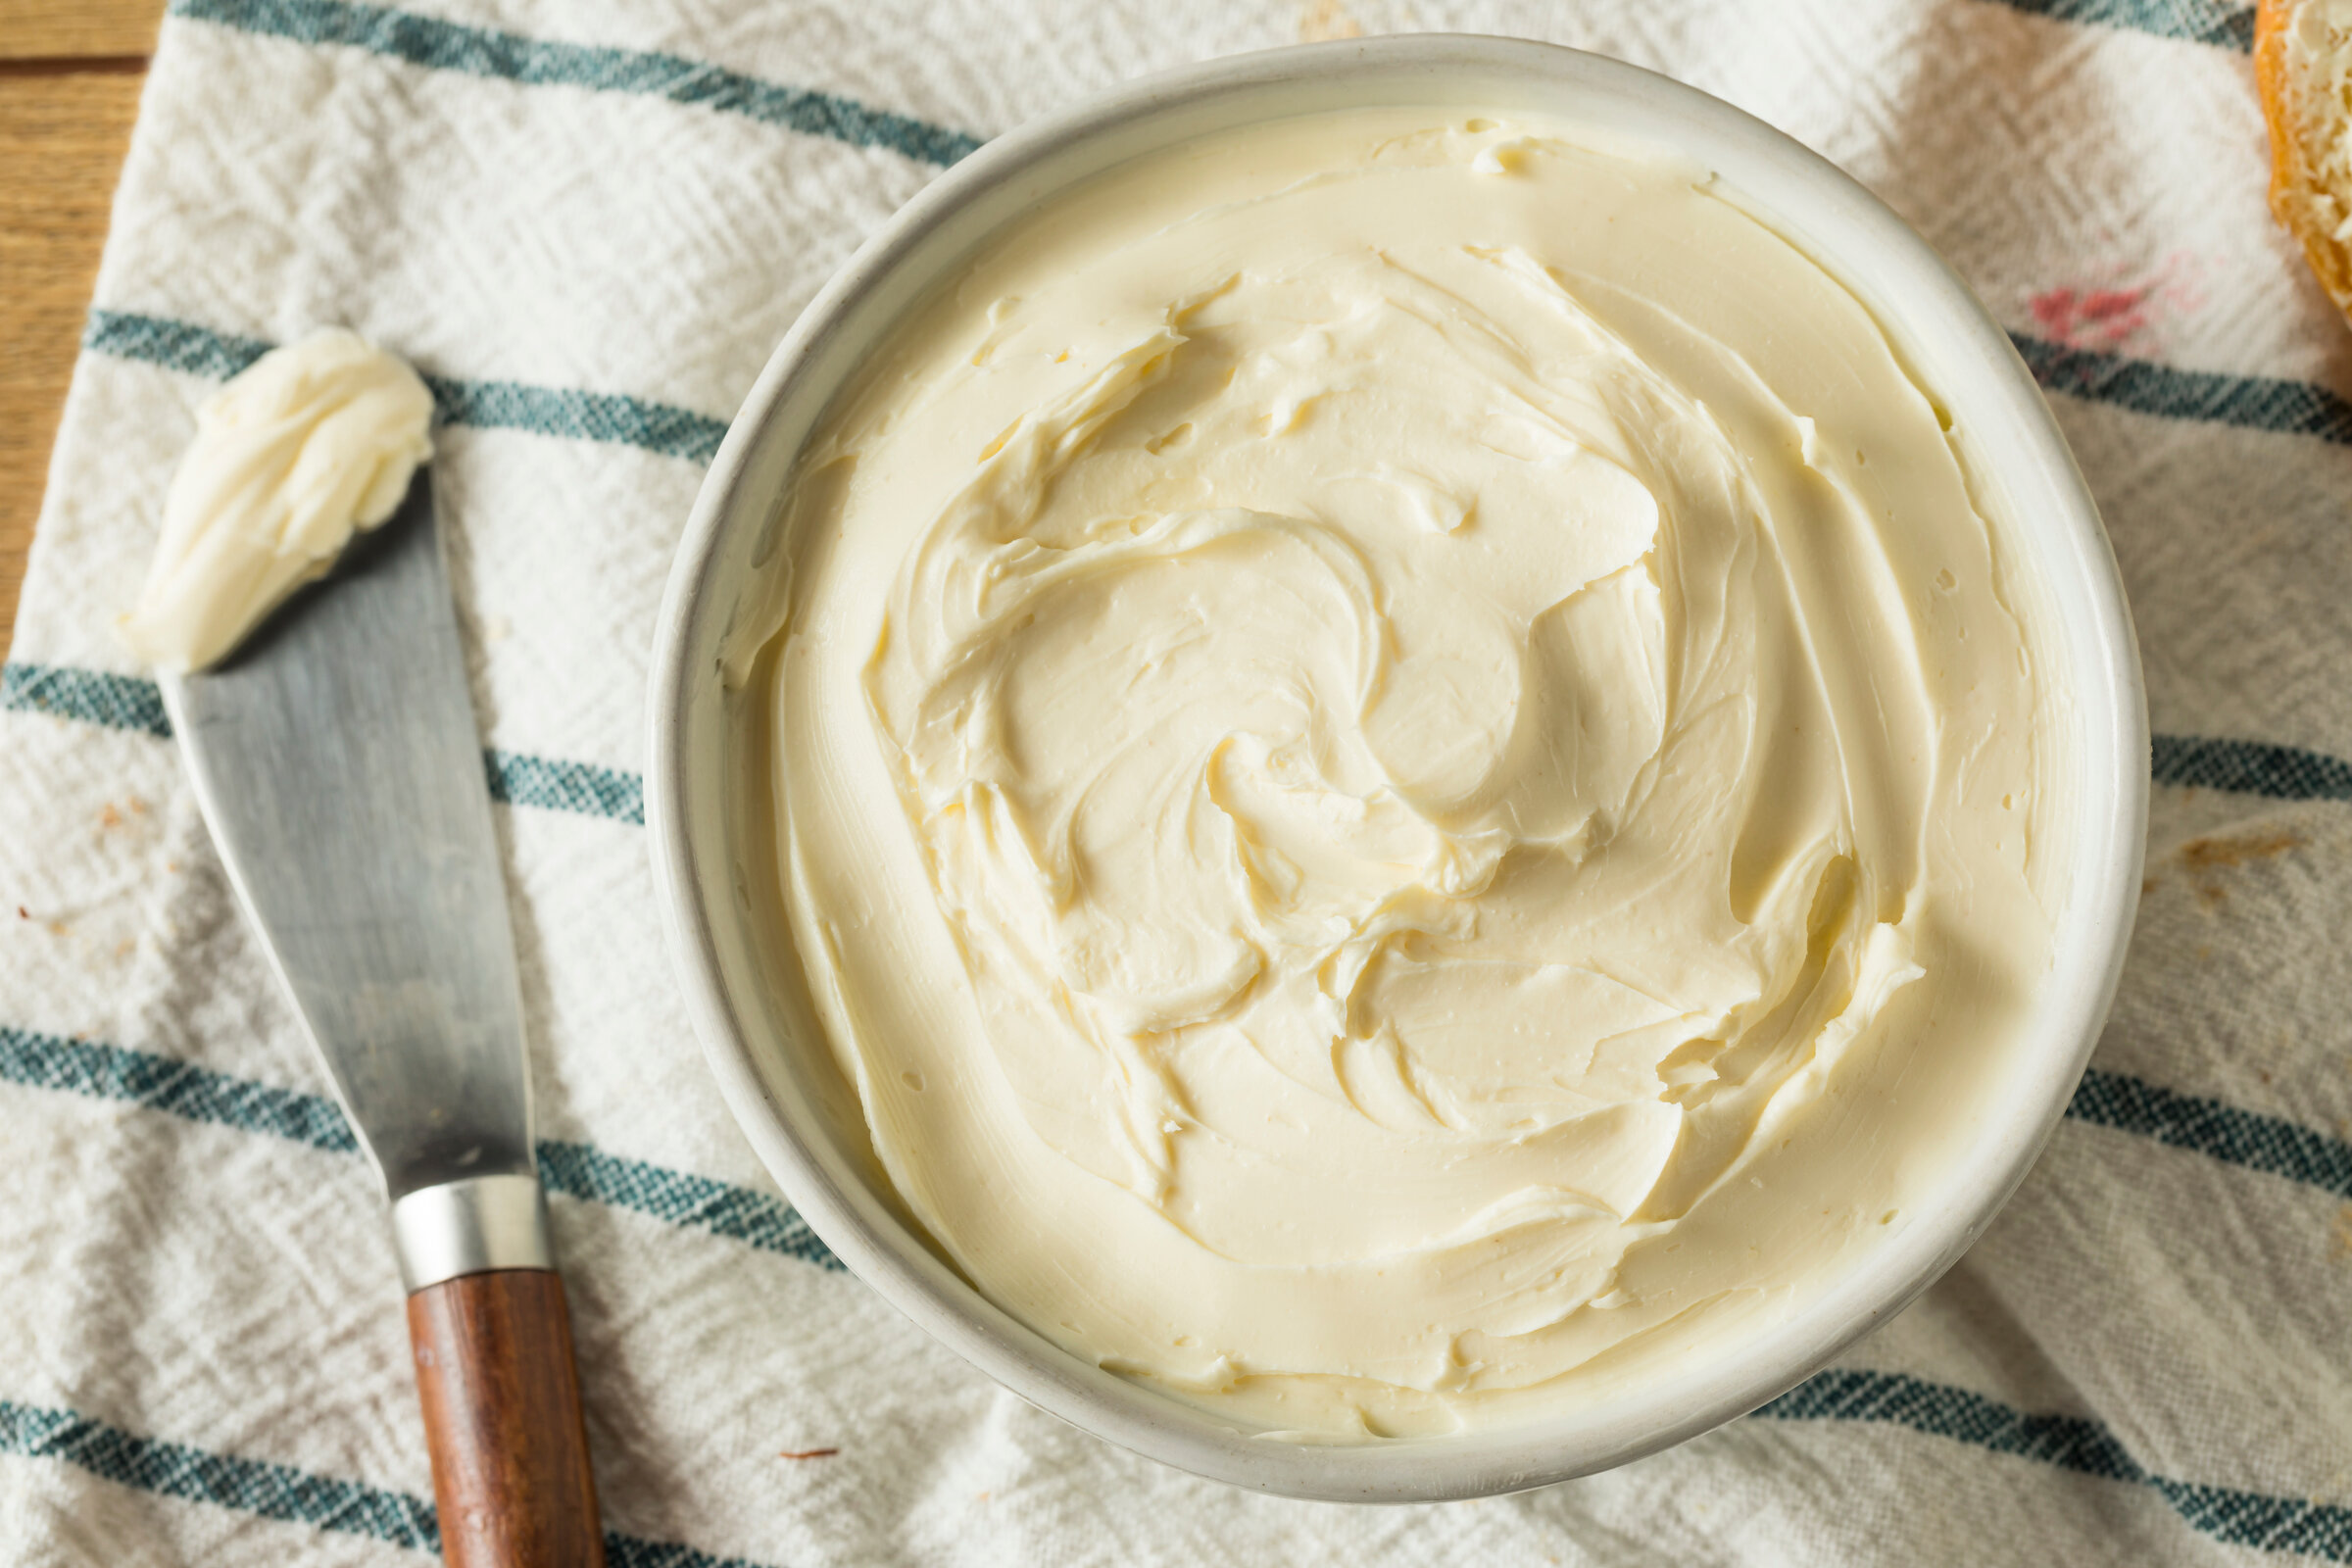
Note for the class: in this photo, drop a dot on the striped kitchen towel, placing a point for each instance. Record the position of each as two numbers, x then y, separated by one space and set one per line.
588 224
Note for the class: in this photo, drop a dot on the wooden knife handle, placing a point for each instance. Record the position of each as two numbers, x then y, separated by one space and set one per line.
502 1415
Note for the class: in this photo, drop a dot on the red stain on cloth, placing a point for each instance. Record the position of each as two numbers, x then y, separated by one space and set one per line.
2113 314
2091 317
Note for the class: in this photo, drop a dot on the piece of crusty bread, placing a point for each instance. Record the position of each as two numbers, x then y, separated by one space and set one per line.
2303 64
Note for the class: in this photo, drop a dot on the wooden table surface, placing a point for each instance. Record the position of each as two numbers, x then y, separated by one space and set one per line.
70 77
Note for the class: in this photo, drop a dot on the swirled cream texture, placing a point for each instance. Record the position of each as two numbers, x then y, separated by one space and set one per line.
312 443
1405 780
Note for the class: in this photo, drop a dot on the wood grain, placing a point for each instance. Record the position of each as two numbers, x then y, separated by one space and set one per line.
70 80
32 29
501 1416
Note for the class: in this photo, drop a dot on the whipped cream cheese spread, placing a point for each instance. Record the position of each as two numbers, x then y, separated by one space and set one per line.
309 444
1404 776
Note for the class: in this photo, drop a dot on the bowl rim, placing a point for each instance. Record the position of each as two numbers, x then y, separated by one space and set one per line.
887 1255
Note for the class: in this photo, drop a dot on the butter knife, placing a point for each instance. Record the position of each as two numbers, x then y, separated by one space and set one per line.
337 763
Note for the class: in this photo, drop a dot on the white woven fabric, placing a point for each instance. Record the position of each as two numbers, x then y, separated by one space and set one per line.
591 222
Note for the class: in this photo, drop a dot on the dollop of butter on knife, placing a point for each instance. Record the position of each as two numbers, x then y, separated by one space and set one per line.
312 443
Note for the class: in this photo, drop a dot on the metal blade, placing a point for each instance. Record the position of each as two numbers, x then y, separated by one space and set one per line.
337 763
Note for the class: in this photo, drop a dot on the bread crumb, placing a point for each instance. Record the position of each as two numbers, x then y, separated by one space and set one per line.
1320 20
2206 853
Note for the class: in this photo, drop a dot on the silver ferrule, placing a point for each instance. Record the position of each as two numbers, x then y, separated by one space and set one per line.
470 1227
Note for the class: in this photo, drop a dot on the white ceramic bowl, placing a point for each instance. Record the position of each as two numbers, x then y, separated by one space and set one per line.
711 846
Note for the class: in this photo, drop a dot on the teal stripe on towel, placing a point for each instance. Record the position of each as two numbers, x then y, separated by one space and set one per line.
2251 767
2208 1127
558 786
2248 402
248 1485
2224 1132
94 697
2070 1443
2211 21
100 1071
440 45
565 413
126 702
89 696
570 414
174 345
182 1089
2221 1132
2067 1443
2143 386
273 1491
679 1197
